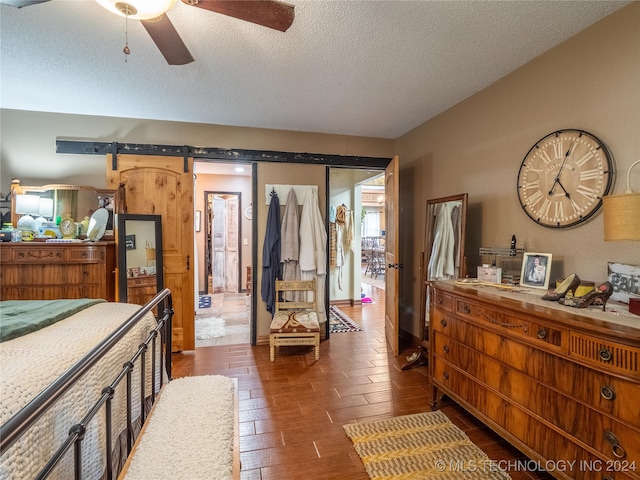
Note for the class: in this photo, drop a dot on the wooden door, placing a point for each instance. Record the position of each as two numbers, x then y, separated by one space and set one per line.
160 185
392 262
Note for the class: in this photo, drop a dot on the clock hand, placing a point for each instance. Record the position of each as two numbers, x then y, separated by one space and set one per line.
557 179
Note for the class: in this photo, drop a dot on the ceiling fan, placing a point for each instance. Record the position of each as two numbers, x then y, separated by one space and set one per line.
268 13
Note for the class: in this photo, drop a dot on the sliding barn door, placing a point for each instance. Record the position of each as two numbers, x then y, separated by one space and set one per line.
164 186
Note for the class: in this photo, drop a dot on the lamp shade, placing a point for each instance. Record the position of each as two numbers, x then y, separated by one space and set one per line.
138 9
45 208
622 217
27 204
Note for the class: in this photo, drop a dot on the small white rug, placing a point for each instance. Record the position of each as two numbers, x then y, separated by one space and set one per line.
209 327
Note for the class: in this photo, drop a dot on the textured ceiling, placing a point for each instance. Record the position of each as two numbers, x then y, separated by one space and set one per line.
369 68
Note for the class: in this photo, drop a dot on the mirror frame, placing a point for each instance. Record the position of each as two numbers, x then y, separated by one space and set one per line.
429 237
121 232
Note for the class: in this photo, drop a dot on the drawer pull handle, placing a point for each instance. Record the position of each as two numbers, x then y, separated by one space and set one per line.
542 334
439 300
607 392
607 478
446 348
445 375
467 309
616 448
495 321
443 322
605 355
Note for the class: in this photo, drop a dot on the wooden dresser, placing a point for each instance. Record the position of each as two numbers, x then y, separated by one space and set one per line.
46 271
561 384
141 289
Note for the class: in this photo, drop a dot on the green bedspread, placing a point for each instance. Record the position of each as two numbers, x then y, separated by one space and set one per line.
19 317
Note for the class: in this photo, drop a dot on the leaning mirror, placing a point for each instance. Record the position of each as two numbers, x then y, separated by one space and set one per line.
139 244
444 256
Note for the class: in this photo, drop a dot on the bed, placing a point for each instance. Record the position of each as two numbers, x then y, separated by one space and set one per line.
81 383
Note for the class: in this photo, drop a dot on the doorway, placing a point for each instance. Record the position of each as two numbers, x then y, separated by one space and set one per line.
223 252
361 191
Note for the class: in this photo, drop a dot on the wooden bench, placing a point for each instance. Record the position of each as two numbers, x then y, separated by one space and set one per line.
191 432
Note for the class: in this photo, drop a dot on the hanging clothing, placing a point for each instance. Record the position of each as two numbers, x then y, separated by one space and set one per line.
442 264
290 242
271 255
349 240
333 245
313 248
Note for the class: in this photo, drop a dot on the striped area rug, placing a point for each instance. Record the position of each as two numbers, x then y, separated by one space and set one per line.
424 446
339 322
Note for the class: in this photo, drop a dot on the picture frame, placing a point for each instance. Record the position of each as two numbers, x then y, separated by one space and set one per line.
536 270
196 220
130 242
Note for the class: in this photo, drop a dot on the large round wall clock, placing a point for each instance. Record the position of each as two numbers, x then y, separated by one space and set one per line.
563 178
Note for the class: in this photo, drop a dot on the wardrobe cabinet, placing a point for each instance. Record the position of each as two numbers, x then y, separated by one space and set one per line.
48 271
561 384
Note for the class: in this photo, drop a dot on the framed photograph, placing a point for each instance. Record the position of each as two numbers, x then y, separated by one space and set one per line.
130 242
196 220
536 270
625 280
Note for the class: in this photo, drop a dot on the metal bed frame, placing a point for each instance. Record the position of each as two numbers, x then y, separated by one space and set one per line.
11 431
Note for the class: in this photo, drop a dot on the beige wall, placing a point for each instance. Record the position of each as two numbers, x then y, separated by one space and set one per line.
590 82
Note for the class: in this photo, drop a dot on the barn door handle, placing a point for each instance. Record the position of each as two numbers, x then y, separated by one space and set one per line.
188 263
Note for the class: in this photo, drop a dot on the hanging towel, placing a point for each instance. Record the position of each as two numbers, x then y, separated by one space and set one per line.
313 248
271 255
290 241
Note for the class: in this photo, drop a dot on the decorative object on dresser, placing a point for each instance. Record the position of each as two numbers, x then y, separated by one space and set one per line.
47 271
563 178
625 280
560 384
536 270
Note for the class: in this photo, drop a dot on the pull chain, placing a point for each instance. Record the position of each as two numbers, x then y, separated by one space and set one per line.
126 49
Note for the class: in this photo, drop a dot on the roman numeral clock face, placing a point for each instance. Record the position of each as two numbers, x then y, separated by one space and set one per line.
563 178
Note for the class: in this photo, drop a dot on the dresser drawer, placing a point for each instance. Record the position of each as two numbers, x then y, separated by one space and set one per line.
604 354
529 328
32 255
443 301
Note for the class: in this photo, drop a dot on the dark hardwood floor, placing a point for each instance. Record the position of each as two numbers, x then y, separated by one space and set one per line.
292 410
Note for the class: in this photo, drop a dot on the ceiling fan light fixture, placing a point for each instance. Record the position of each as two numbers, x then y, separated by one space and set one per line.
138 9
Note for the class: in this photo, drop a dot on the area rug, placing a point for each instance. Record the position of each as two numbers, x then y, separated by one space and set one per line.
209 327
204 301
339 322
421 446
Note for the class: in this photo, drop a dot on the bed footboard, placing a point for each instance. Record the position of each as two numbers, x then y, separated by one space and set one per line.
152 355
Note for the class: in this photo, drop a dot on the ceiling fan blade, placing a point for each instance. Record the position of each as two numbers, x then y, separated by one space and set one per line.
168 41
268 13
22 3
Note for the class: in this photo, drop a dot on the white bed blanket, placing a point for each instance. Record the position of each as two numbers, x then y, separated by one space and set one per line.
29 364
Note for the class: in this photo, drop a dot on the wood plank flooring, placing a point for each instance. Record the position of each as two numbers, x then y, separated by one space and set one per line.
292 410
